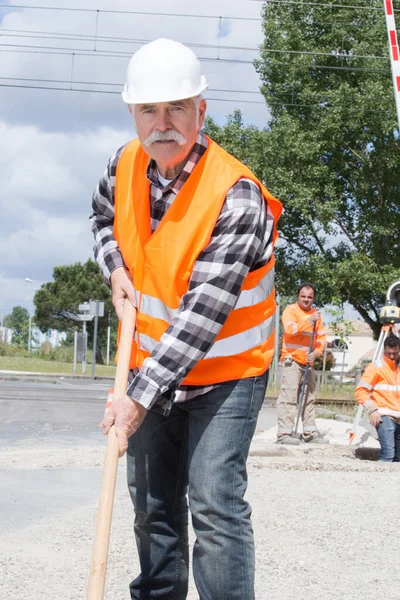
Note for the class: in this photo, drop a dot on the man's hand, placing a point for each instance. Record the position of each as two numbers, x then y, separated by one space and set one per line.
311 356
314 317
121 288
127 415
375 418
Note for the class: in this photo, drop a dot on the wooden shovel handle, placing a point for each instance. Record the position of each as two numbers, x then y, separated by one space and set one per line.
98 567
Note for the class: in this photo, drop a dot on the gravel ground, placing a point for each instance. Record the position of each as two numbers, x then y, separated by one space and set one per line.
319 517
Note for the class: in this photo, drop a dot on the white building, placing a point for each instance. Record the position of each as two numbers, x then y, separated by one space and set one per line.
360 344
53 336
5 335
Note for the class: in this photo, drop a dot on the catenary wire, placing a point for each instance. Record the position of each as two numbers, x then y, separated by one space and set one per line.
114 54
45 35
320 103
110 11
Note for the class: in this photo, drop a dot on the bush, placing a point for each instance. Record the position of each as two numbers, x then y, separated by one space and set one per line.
11 349
59 354
329 364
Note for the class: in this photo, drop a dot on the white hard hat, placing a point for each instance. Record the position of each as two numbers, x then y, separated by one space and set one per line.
163 71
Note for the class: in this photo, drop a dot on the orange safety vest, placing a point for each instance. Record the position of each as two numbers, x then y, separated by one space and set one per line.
379 387
298 332
161 263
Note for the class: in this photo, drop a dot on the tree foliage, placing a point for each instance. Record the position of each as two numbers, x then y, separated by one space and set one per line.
331 151
18 321
57 302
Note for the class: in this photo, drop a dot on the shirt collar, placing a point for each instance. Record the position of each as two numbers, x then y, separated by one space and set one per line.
197 151
392 364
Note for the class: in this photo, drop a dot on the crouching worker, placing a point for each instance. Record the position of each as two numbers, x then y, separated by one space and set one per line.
379 393
301 324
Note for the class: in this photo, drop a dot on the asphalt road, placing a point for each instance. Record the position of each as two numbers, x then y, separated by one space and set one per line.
62 414
36 417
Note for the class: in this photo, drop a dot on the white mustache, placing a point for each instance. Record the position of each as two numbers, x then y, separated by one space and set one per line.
165 136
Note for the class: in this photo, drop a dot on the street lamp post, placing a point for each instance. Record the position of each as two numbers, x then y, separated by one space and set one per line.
32 282
29 280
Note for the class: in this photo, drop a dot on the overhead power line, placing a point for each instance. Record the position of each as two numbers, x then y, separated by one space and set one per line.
119 85
29 49
47 35
126 12
96 91
319 103
185 15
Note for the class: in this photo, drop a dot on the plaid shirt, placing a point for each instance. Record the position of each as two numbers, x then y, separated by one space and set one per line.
241 242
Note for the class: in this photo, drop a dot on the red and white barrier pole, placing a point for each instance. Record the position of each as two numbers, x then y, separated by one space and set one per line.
394 52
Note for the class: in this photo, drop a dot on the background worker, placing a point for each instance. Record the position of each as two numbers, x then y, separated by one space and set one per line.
379 393
299 321
187 233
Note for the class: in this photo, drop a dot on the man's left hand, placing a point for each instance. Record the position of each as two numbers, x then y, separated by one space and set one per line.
127 416
311 356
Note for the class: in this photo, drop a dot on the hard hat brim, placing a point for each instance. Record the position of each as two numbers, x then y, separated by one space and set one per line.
130 98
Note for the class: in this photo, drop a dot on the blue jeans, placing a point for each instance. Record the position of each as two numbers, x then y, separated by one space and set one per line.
389 439
199 450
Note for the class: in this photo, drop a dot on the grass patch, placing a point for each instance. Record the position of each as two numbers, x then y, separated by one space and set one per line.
344 409
38 365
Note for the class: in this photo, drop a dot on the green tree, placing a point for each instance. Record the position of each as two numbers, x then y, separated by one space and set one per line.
18 321
331 151
57 302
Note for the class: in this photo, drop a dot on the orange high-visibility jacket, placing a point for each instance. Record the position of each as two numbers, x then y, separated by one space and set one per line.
380 387
161 263
298 332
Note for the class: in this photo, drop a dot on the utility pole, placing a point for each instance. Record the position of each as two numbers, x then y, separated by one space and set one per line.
96 325
96 310
276 344
394 53
108 338
84 348
30 332
75 349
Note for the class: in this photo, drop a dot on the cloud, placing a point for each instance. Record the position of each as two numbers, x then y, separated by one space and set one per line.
55 144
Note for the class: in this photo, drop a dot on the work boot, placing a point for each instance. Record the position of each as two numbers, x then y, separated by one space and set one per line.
288 440
314 437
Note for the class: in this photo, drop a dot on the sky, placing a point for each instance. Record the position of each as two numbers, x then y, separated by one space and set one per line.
54 145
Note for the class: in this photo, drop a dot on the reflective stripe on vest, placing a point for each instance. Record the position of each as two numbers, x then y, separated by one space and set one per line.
297 347
365 385
387 387
234 344
154 307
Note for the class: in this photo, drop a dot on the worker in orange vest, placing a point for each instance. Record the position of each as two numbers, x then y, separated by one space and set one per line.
187 233
301 324
379 393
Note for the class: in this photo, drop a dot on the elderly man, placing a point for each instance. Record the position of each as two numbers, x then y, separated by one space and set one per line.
379 393
302 323
186 232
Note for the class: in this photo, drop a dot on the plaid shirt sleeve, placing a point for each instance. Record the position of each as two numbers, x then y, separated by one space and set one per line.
241 242
106 251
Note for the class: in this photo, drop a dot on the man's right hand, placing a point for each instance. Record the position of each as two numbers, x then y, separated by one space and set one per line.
121 288
314 318
375 418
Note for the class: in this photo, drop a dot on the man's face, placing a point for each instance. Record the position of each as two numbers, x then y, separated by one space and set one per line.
392 353
305 298
156 124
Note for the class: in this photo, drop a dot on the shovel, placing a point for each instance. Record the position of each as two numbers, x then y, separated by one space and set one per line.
98 567
303 387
